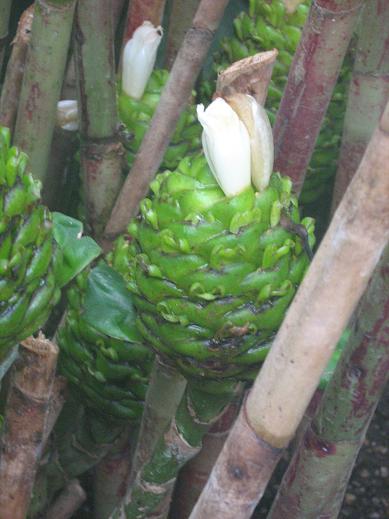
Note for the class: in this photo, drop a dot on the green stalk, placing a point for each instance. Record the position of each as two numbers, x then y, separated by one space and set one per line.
5 11
369 90
201 405
101 151
314 485
46 60
163 396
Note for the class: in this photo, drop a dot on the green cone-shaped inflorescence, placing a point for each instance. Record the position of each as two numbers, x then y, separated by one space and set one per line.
265 26
29 256
109 375
137 115
212 276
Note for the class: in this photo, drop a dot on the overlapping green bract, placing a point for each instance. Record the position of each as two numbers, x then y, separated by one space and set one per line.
108 374
212 276
29 256
137 115
266 26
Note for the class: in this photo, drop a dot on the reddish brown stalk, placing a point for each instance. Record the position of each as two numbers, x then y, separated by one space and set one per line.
141 10
323 305
369 91
311 80
12 85
174 98
194 475
180 20
248 76
68 501
25 421
57 401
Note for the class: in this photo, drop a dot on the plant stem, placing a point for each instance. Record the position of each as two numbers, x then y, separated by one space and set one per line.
101 151
25 418
314 485
42 81
180 20
164 393
321 309
13 79
312 77
248 76
173 101
194 475
140 11
5 12
112 474
369 90
150 493
68 502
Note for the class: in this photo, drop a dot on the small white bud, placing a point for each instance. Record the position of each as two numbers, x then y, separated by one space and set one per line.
67 114
139 57
226 145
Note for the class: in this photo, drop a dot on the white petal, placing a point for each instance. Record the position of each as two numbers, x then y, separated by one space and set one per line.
256 120
67 114
226 146
139 57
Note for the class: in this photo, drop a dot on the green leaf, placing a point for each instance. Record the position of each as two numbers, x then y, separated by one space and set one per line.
108 304
78 251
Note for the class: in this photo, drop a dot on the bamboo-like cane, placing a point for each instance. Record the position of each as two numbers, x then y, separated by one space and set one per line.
5 12
68 502
12 85
180 20
311 80
101 151
369 91
25 420
140 11
314 485
335 281
173 100
42 81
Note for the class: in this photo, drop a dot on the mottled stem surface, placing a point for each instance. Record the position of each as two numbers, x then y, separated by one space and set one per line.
311 80
5 11
336 279
101 151
42 81
26 414
315 482
174 98
369 91
10 92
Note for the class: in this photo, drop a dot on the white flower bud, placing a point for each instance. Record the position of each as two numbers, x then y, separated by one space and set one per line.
67 114
256 120
139 57
226 144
